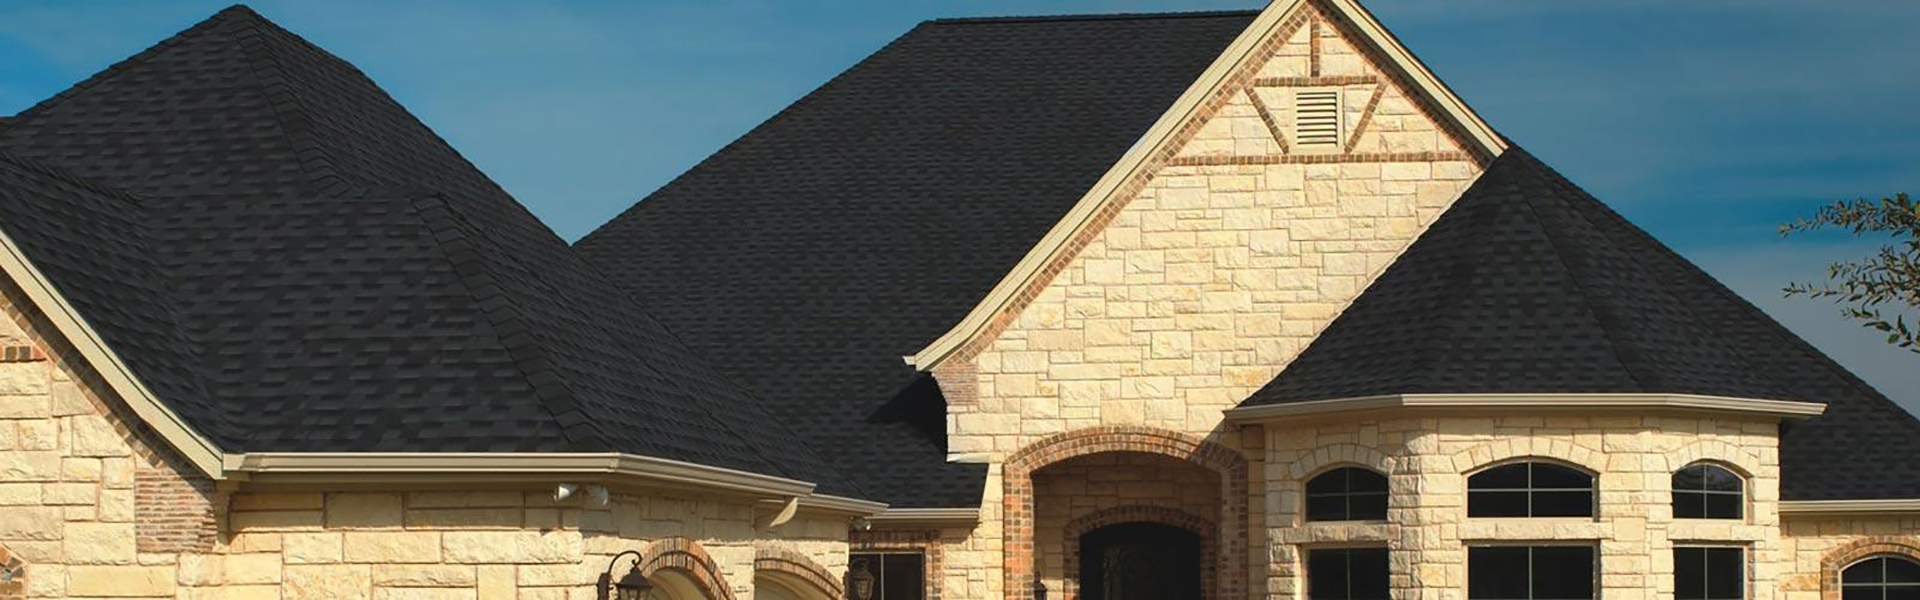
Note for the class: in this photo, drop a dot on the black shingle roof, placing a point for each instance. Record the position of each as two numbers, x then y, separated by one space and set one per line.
1529 285
861 222
303 266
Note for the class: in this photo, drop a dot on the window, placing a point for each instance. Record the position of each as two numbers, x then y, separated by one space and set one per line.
1709 573
1530 489
1705 491
1530 573
1347 494
896 575
1347 574
1881 578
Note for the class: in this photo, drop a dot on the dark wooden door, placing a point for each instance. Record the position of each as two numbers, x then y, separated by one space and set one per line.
1140 561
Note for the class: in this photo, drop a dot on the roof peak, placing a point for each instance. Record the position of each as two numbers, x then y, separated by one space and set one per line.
1202 14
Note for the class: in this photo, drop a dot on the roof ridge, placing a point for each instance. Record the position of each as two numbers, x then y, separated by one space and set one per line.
281 100
554 391
1194 14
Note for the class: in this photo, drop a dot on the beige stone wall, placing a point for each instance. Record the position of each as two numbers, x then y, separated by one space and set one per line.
1818 546
1427 460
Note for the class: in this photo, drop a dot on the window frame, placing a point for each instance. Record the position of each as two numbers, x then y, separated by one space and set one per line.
1592 489
1593 565
1307 496
880 574
1746 569
1675 493
1882 585
1306 568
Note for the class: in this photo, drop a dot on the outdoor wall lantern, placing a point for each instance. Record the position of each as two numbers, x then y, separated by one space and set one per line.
862 582
632 586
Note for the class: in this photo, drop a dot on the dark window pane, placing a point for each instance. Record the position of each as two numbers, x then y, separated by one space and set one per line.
1690 478
1689 505
1866 571
1370 507
1689 573
1723 506
1496 504
1368 571
903 577
1512 476
1720 480
1563 504
1726 573
1562 572
1900 570
1330 482
1327 574
1549 475
1853 592
1326 508
1496 573
1903 592
1362 480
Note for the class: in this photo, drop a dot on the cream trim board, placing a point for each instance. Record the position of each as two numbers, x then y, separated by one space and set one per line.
1189 103
935 516
1684 402
842 504
196 448
1888 507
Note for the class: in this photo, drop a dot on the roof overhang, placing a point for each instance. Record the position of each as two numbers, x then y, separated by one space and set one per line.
1480 136
1821 508
936 517
1536 402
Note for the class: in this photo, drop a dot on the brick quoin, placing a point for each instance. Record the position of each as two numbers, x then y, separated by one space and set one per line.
1018 550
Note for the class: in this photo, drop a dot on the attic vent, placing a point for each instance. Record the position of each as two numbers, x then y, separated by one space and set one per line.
1317 118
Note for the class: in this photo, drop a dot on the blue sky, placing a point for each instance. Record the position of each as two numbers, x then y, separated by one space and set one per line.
1708 122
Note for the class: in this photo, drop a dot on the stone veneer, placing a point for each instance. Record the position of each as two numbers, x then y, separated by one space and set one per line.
89 507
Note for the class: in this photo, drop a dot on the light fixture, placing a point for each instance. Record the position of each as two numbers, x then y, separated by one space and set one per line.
632 586
861 581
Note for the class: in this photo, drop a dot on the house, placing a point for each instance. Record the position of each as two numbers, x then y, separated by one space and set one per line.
1221 305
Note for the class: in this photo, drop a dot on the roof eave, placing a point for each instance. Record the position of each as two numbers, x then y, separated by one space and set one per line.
502 467
1783 409
1825 508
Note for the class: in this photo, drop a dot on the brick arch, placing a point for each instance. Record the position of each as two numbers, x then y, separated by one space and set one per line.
1838 559
1171 517
1017 549
689 558
1338 455
1485 455
1727 455
795 565
13 575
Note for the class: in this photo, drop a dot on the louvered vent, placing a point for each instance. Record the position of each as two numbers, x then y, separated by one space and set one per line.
1317 118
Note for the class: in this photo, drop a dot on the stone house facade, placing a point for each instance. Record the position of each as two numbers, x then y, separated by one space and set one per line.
1221 305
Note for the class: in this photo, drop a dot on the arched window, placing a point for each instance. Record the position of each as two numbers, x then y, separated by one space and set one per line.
1347 494
1530 489
1704 491
1881 578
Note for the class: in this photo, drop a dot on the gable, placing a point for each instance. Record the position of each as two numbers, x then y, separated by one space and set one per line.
1215 262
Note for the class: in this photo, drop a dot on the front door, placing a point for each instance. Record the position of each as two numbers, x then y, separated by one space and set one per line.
1140 561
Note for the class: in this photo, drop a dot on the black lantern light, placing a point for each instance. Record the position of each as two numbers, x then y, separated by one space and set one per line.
861 581
632 586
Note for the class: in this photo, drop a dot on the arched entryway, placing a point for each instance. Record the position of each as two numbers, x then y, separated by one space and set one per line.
1061 488
781 574
1168 554
680 569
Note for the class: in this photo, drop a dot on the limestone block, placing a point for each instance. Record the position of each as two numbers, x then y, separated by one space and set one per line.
25 407
120 581
391 547
276 520
19 494
24 379
30 523
387 593
327 581
519 547
95 436
100 543
496 582
202 569
253 568
312 548
280 501
424 575
67 494
29 466
363 511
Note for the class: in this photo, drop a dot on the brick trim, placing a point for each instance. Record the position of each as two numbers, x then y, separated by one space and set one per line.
924 541
1209 547
799 566
1727 455
687 557
13 575
1017 521
22 353
1839 559
1485 455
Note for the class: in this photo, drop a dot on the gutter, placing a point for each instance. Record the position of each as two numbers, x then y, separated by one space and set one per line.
1885 507
842 504
957 517
1681 402
417 466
